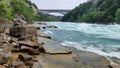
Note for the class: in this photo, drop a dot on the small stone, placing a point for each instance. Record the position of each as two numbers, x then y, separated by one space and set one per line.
42 23
25 57
40 34
14 41
4 56
38 28
52 26
16 63
15 50
2 66
44 27
29 50
29 63
41 49
2 28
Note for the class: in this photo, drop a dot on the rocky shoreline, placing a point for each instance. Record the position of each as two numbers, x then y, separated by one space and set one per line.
75 59
21 46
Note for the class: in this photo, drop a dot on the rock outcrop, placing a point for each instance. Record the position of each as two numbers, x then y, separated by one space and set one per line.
19 47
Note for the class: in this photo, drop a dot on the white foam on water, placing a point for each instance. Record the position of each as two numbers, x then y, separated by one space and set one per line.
48 32
104 31
98 51
91 49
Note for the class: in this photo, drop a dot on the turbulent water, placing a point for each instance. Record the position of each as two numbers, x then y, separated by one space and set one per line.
101 39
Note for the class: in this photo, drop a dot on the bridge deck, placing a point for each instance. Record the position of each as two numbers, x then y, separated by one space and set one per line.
47 11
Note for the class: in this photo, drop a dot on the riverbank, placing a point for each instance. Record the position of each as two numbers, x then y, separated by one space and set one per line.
29 49
76 59
53 33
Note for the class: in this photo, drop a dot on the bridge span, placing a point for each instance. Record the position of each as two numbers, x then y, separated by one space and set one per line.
48 11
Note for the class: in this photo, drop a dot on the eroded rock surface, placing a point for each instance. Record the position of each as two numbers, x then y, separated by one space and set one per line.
18 47
52 47
77 59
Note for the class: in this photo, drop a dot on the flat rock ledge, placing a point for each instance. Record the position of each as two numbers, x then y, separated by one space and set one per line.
76 59
52 47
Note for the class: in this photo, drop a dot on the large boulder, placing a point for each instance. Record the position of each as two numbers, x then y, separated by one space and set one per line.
24 33
20 31
5 25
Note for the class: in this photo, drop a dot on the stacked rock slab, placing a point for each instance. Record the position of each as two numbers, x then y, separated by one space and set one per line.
27 37
24 43
18 46
5 53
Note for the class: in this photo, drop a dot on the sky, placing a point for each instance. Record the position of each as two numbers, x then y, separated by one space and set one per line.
57 4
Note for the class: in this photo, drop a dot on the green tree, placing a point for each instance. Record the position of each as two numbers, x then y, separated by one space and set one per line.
93 16
110 18
97 16
87 17
117 14
5 11
20 7
2 9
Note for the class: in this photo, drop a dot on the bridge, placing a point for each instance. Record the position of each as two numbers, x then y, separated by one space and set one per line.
48 11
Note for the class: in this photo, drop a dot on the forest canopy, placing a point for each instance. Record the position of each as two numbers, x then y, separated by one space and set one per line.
95 11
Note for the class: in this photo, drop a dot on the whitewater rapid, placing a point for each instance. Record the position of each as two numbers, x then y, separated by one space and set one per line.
97 38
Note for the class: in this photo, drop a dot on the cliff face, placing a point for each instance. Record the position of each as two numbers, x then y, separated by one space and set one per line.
9 8
95 11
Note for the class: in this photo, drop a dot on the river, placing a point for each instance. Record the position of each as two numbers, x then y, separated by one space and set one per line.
97 38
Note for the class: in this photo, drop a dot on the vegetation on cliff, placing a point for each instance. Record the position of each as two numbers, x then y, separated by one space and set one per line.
10 8
97 11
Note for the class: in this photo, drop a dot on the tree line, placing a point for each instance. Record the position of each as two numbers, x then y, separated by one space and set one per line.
95 11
